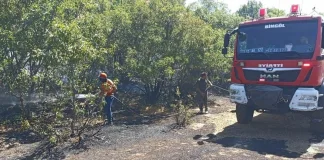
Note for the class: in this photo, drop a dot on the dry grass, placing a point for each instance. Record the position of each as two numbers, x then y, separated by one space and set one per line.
179 144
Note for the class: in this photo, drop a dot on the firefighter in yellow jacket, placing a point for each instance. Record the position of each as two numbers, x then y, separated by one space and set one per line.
108 88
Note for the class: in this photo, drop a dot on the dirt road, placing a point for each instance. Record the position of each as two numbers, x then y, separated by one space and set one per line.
211 136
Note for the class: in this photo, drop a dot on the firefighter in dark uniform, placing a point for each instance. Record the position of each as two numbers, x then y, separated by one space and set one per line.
201 87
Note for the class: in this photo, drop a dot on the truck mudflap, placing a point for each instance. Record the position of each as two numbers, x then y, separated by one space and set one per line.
305 99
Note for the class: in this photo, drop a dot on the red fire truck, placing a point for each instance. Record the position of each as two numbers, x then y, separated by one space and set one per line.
278 66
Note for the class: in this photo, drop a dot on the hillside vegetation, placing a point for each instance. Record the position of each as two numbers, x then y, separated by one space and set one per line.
50 51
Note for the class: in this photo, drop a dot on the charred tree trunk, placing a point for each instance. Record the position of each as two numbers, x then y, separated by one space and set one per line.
24 111
74 107
153 91
73 116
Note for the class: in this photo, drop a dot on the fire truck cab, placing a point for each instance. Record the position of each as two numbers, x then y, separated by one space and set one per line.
278 66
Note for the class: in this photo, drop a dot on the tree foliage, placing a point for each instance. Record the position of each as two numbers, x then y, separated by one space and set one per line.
56 48
251 10
275 12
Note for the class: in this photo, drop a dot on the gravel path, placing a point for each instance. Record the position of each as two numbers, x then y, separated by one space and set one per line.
211 136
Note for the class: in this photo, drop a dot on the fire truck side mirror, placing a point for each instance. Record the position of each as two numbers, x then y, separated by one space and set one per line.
226 43
226 40
224 51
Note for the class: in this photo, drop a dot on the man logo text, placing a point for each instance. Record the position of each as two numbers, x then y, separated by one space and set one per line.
269 76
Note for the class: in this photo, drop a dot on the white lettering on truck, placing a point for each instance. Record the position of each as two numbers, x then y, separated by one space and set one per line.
270 65
280 25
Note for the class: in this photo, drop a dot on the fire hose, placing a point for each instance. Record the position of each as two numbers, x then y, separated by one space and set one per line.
218 88
126 107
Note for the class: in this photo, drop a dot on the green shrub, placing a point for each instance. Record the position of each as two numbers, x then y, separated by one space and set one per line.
182 112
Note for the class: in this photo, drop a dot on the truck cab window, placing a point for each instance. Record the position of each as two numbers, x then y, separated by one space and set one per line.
286 40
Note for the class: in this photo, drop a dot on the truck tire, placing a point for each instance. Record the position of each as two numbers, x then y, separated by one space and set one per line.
244 113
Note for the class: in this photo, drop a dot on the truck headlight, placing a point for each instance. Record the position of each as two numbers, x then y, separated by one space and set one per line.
308 97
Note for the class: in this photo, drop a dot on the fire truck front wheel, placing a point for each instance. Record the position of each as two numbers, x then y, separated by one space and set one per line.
244 113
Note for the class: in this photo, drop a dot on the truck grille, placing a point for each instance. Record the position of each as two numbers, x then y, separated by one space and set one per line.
284 76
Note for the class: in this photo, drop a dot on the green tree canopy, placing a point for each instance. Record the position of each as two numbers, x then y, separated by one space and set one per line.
275 12
250 10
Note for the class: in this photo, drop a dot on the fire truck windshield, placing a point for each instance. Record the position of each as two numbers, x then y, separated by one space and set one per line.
283 40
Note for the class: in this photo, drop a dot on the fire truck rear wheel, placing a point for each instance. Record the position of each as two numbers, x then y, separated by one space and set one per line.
244 113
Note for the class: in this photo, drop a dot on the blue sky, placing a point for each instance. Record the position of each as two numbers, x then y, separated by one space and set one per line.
306 5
